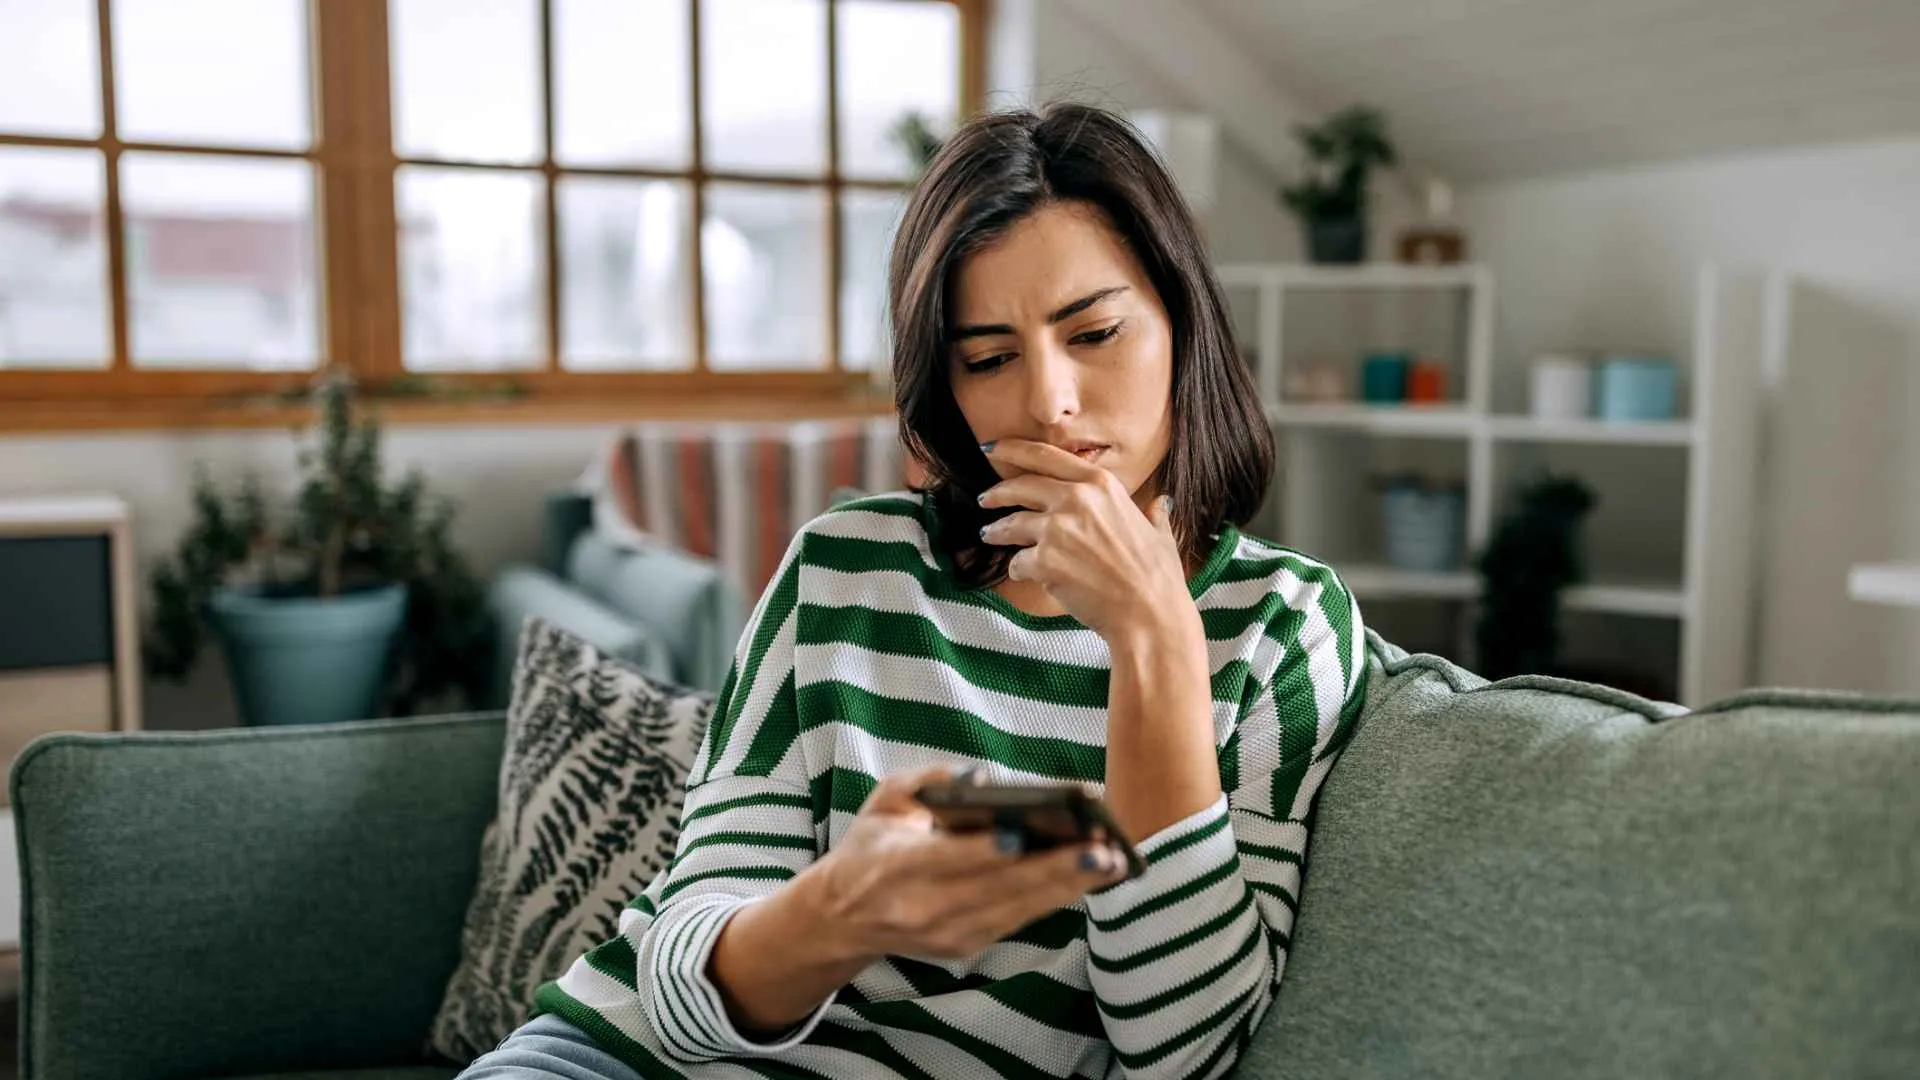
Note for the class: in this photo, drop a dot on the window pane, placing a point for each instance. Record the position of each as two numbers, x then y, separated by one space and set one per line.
466 79
867 222
49 68
53 259
894 57
626 255
226 72
622 75
763 85
764 259
472 292
220 266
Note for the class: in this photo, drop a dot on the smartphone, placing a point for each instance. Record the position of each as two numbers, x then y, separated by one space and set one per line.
1045 815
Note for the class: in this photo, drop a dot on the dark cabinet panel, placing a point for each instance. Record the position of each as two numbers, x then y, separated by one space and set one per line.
56 605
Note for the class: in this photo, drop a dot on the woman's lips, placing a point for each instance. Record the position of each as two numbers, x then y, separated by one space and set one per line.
1088 453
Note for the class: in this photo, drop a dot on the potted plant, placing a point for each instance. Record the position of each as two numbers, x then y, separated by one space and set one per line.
310 601
1331 195
914 136
1533 556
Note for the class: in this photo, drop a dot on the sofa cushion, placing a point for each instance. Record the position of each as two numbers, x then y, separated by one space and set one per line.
590 789
682 600
424 1072
236 902
521 593
1544 878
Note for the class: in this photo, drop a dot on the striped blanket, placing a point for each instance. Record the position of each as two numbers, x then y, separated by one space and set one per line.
737 492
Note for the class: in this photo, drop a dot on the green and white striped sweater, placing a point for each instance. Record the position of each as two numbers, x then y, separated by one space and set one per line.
862 658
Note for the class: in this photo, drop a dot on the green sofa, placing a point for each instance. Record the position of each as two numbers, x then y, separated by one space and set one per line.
1535 878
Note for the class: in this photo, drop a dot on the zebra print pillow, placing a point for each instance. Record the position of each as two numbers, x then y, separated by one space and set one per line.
591 784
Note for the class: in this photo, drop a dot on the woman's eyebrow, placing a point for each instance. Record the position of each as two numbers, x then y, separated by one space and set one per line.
1066 311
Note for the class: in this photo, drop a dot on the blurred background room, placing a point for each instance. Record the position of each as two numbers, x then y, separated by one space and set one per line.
1590 332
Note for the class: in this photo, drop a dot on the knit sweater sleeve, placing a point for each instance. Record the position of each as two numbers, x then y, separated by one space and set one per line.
747 827
1184 960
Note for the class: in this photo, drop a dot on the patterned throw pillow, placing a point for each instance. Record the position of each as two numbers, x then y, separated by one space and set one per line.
591 785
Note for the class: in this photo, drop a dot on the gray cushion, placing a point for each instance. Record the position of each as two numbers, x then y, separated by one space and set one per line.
234 902
1541 878
682 598
521 593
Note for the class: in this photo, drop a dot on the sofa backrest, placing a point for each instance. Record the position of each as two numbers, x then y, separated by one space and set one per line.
250 901
1544 878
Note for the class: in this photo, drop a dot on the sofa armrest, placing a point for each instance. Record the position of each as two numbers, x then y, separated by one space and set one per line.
521 593
569 515
683 599
232 902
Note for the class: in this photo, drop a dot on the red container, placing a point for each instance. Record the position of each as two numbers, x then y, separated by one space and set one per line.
1427 383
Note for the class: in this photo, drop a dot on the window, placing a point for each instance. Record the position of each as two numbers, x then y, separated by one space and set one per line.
575 197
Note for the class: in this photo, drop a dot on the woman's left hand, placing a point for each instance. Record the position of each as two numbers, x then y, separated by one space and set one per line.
1083 539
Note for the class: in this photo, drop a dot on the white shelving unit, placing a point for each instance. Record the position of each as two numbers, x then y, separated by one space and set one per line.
1329 450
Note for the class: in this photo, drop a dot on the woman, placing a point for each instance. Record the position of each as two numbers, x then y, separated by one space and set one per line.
1068 601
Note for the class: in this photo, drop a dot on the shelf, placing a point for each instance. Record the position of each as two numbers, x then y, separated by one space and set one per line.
1615 432
1363 276
1660 601
1417 420
1373 581
1886 583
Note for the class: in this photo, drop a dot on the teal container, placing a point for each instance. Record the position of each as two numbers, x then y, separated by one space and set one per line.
304 660
1383 378
1631 388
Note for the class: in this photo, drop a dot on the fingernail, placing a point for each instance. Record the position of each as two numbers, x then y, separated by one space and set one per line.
987 447
983 531
1092 861
1007 842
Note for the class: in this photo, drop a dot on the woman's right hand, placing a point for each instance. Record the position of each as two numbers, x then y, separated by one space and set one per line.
897 884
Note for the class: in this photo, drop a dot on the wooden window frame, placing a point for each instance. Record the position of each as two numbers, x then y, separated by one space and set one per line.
356 237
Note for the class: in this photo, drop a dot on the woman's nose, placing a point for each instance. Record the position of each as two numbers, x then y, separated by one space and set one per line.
1053 387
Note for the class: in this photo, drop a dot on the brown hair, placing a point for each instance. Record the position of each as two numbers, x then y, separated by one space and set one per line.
995 171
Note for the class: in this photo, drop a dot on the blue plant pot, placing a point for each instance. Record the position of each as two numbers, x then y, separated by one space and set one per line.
1424 530
1342 242
304 660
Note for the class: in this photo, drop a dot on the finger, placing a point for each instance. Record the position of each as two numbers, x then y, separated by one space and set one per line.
1161 514
1039 883
1026 566
1022 528
1028 456
1031 490
964 856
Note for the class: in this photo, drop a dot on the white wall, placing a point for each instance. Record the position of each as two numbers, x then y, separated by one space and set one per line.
1606 259
497 475
1090 60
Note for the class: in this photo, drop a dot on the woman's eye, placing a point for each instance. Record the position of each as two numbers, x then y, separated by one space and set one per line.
988 363
1096 337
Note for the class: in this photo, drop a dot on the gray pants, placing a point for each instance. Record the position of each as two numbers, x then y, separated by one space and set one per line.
548 1048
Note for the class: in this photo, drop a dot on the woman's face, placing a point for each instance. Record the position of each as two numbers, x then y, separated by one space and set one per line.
1059 337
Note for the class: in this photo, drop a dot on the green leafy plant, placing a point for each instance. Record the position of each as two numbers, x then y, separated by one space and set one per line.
1533 556
1341 154
915 137
345 529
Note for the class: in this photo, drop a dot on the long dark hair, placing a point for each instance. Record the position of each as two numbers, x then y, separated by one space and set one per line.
993 172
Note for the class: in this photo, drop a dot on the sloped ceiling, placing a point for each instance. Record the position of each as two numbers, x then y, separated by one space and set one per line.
1495 89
